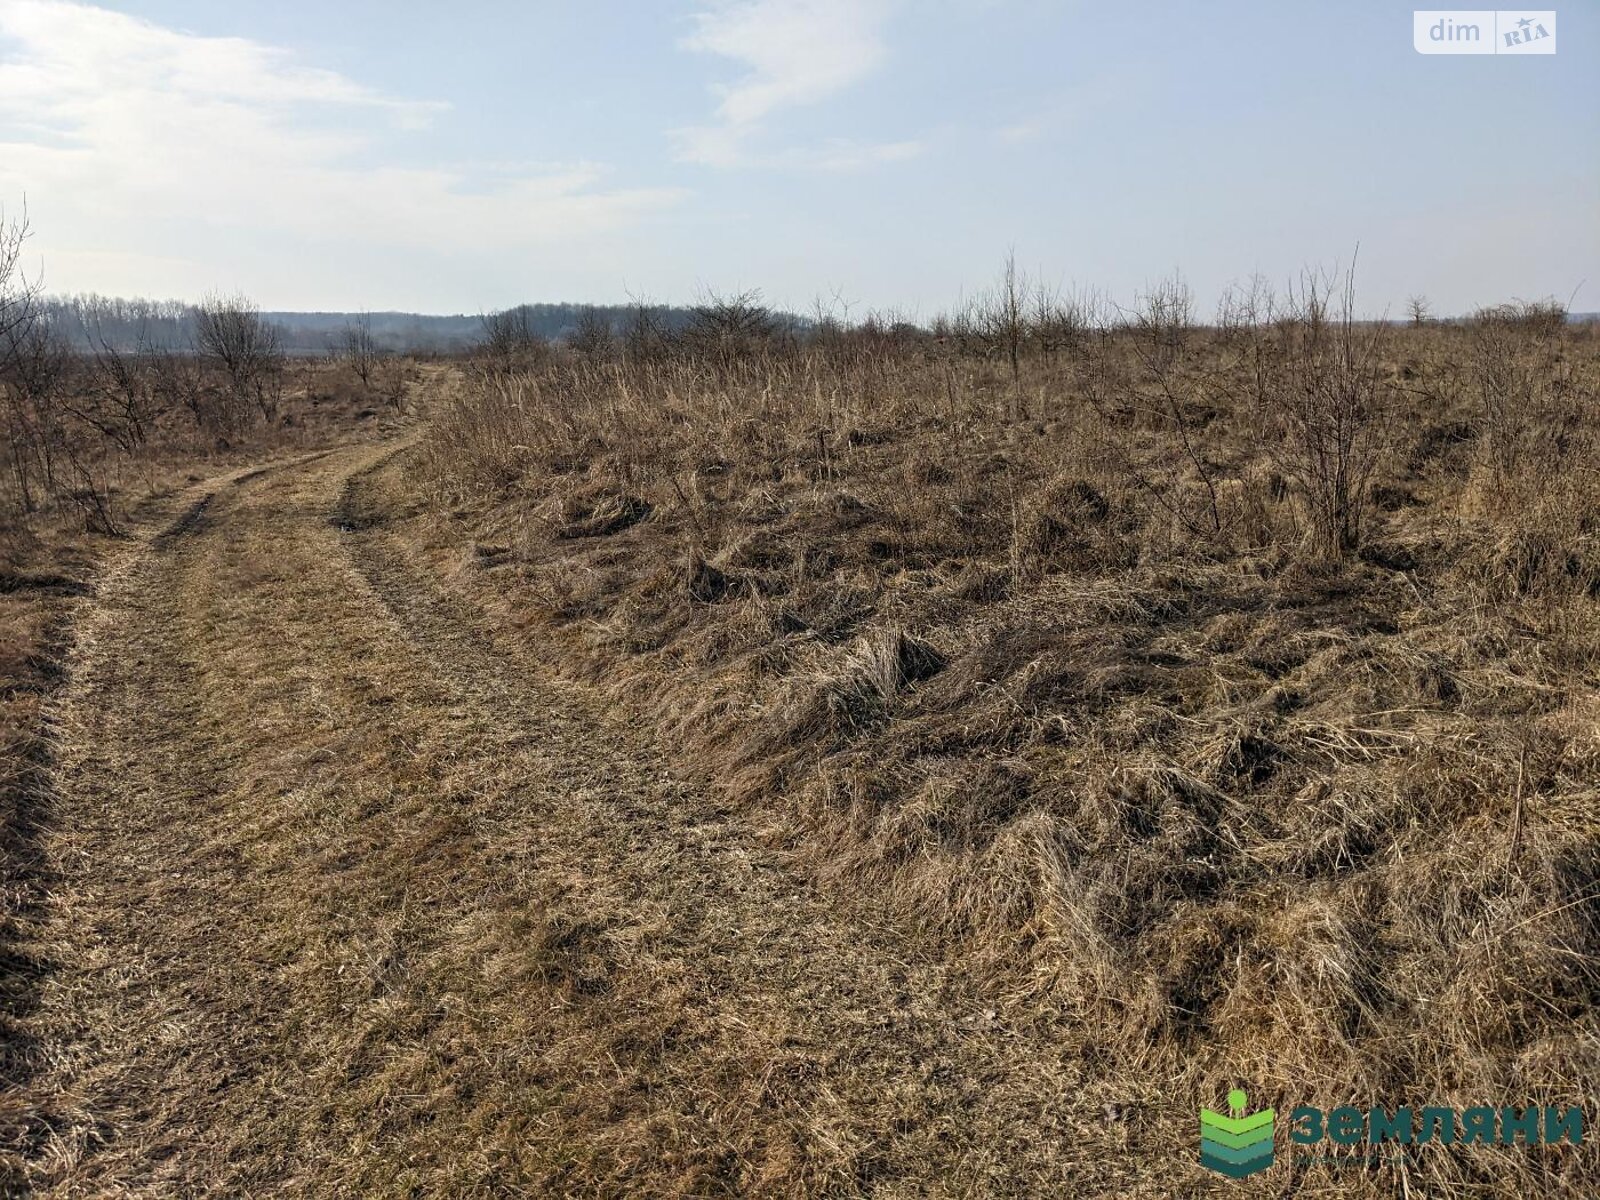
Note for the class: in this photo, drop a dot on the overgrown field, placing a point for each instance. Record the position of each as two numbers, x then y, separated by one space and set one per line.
1224 697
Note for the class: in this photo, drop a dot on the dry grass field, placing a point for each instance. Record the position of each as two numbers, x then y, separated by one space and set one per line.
874 762
1084 672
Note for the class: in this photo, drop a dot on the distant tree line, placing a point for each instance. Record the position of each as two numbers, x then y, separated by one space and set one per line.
129 325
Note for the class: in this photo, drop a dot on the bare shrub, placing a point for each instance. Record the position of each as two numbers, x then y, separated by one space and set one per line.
510 341
1166 389
177 381
1319 385
1511 375
19 296
33 366
246 348
34 377
51 410
1060 324
645 335
1539 319
592 337
359 349
1003 315
122 402
725 329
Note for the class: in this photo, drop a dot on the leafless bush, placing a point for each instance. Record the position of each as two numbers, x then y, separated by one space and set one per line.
1539 319
37 365
176 380
510 341
1060 324
592 336
883 341
37 361
724 329
32 363
116 403
1512 378
19 296
1016 318
1167 390
1242 310
645 336
1163 324
1316 368
46 413
88 491
359 350
830 321
1003 315
122 401
233 335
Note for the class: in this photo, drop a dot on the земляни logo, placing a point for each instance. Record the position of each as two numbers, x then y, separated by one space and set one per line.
1236 1145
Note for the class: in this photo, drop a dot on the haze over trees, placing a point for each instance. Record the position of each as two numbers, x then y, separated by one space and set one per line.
128 324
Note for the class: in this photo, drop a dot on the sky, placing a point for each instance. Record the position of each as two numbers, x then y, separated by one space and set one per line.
464 157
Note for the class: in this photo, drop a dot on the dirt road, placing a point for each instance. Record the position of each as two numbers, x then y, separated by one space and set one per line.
348 897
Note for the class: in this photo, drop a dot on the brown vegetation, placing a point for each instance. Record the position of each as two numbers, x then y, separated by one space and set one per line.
1224 696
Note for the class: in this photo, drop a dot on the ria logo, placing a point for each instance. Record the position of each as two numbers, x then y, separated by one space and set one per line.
1236 1145
1483 31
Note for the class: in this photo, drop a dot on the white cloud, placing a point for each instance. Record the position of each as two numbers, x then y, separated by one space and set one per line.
796 52
72 55
116 128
